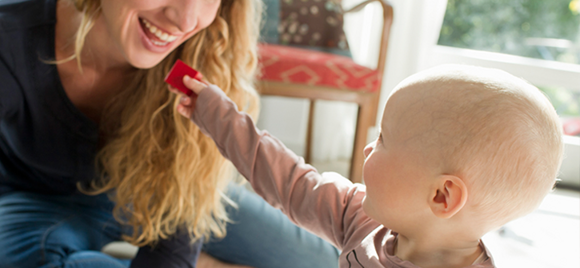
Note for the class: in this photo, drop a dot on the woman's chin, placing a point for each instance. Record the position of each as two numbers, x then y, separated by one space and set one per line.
145 64
143 59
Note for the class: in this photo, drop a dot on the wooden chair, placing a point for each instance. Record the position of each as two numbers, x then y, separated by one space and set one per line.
363 88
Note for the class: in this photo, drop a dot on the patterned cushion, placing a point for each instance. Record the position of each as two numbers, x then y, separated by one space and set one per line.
312 24
301 66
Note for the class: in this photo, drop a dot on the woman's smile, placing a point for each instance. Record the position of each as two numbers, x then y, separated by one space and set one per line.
154 38
146 31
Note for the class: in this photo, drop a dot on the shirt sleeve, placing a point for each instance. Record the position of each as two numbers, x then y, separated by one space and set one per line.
328 205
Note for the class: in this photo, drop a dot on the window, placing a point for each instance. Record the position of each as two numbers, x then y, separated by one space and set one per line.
534 29
548 30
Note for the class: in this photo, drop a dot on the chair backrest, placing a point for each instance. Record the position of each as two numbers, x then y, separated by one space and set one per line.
316 25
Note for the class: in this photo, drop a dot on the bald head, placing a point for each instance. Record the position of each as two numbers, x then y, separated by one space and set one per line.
496 131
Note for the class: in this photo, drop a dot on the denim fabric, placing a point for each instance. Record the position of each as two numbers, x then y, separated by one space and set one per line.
263 237
56 231
69 231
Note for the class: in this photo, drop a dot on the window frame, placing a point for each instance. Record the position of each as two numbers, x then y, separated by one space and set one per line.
536 71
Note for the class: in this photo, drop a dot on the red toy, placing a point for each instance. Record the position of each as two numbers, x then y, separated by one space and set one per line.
176 74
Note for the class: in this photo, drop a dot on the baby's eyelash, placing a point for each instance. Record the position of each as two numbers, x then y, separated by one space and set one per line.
558 180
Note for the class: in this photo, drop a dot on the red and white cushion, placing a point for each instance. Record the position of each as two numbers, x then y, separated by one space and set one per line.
301 66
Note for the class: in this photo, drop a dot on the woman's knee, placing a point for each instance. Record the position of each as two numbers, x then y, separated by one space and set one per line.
87 259
60 245
35 232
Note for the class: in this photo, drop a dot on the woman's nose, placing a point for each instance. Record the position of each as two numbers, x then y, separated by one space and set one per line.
184 14
369 148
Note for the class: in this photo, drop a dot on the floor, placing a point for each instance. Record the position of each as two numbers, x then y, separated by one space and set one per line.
547 238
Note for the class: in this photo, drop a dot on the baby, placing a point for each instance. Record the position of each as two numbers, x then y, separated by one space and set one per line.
462 150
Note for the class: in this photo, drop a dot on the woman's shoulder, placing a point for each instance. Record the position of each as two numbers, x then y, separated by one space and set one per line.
26 26
23 14
26 38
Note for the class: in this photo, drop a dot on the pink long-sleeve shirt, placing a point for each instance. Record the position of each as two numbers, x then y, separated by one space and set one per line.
327 204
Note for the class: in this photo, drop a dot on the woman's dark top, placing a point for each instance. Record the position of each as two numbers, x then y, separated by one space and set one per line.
46 144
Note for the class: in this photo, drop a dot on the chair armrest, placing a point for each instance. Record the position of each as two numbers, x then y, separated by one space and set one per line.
387 22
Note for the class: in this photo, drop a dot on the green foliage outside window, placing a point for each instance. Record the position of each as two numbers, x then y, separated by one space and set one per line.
514 27
543 29
566 102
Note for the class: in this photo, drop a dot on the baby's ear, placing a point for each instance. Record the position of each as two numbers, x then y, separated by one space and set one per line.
448 196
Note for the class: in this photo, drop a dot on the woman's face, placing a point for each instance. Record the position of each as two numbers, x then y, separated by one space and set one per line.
145 31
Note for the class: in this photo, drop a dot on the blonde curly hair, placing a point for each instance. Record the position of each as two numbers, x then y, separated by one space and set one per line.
160 170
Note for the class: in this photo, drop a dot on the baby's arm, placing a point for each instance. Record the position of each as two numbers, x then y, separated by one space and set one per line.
329 206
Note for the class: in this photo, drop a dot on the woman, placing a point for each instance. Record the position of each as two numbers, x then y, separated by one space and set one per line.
82 83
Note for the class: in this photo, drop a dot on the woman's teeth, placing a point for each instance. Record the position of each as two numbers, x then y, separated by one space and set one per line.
160 34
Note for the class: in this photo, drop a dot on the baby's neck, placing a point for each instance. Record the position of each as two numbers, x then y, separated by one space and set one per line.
437 253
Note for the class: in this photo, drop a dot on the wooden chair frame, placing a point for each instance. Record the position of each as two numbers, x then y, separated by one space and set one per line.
367 102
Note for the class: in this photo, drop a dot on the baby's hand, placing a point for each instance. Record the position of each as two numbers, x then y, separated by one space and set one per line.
187 103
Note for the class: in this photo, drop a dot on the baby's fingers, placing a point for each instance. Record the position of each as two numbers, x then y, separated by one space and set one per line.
193 84
184 99
184 110
186 104
174 90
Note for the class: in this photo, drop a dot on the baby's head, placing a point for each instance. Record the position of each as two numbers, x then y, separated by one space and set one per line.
471 141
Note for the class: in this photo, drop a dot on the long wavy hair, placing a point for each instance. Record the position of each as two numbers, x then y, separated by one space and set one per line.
162 173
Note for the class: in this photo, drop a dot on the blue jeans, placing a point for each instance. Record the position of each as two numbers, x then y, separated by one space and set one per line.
69 231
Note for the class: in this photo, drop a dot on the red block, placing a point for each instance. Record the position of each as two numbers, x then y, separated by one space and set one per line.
176 74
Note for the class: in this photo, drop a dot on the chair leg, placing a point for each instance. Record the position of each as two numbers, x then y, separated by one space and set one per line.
363 123
309 130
